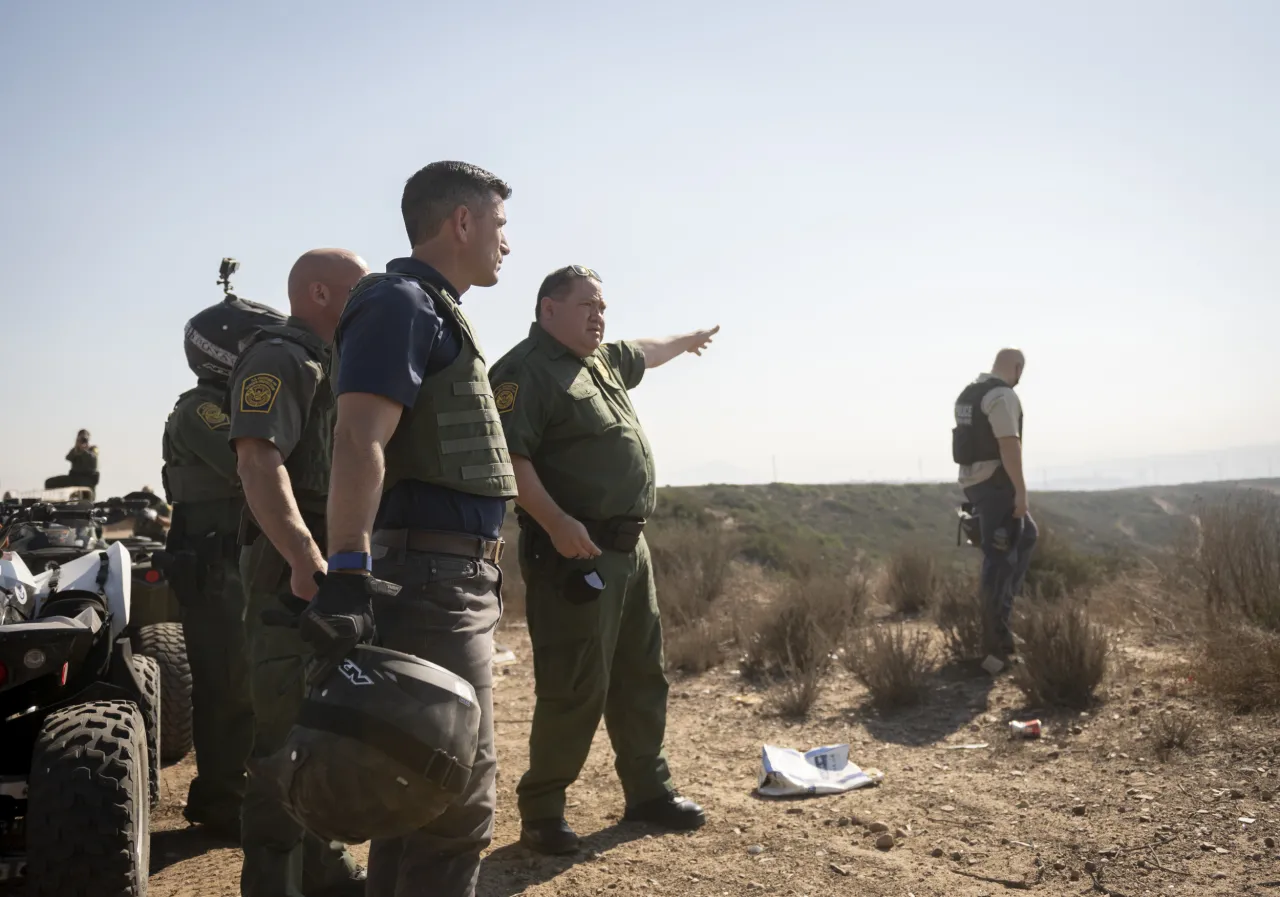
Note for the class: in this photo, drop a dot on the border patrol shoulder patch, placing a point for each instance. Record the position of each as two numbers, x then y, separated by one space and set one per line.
258 393
212 416
505 396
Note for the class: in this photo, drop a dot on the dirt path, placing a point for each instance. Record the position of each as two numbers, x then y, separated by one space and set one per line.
1043 812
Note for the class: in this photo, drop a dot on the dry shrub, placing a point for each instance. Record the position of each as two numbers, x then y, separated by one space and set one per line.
690 568
958 612
1173 731
1241 667
892 663
911 580
800 630
1058 570
1238 563
1064 655
799 689
695 648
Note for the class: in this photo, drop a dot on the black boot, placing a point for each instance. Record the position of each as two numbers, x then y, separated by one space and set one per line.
549 836
670 811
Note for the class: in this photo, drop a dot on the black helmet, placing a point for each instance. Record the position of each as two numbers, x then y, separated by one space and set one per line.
380 748
213 337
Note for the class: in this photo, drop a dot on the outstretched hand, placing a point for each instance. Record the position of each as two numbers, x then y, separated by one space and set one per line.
699 340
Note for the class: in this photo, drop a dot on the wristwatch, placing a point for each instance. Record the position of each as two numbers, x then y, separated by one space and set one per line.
351 560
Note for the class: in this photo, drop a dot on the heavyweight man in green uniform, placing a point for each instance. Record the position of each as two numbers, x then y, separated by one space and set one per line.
281 409
586 484
200 478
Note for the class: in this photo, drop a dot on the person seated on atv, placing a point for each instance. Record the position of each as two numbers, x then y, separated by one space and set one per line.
152 521
84 465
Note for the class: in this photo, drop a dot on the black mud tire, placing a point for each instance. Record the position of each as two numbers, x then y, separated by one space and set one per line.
88 813
149 672
164 642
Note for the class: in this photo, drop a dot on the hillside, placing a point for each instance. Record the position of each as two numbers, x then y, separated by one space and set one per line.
876 518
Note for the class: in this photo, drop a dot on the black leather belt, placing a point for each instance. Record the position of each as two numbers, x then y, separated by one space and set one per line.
439 543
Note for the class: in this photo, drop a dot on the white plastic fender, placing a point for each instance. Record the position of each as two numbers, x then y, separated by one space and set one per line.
82 573
16 578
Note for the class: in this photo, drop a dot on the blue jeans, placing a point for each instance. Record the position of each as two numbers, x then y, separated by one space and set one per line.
1007 545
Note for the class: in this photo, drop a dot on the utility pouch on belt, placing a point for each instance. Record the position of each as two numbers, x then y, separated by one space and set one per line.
616 534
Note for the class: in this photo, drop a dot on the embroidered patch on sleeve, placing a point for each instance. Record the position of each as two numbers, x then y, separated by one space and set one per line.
505 396
212 416
258 393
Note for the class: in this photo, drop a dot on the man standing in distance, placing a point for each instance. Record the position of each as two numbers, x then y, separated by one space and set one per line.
419 460
586 484
281 410
987 445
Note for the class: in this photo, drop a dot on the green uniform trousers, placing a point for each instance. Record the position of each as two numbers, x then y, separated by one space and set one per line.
281 859
213 629
601 657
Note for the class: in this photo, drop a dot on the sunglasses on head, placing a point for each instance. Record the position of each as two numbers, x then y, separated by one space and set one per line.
584 271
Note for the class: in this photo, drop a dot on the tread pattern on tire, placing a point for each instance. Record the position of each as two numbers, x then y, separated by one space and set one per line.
149 672
164 642
88 816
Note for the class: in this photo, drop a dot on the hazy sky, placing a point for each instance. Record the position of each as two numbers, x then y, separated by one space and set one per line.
870 198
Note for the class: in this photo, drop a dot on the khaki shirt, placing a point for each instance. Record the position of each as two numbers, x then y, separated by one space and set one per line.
1004 409
573 419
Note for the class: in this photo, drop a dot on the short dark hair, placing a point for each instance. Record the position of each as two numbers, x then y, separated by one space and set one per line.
557 285
431 195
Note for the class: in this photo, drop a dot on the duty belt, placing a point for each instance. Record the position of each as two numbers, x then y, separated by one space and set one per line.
436 542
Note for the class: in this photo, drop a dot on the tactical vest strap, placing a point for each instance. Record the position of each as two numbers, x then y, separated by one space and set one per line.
486 471
471 443
479 416
472 388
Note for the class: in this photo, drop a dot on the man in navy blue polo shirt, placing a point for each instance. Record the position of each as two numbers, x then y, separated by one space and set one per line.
420 482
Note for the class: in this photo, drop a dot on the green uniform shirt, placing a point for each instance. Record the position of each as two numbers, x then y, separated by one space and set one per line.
573 419
280 393
83 460
195 435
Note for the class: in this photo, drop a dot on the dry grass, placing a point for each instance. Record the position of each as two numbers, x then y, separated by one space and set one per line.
893 663
1237 566
1173 731
801 629
1064 655
1058 570
911 580
958 612
1240 666
691 562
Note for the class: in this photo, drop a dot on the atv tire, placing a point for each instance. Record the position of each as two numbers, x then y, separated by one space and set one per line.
164 642
149 672
88 813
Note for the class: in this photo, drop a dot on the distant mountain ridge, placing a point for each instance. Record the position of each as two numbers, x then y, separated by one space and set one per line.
877 518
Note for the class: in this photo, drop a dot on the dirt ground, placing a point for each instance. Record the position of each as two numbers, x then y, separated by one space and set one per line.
1086 803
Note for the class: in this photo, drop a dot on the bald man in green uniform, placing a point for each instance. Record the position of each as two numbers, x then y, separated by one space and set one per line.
585 475
281 411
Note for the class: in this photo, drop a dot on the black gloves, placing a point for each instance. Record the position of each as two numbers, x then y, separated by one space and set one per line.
340 616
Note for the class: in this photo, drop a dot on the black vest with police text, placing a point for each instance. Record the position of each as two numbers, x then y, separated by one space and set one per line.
972 439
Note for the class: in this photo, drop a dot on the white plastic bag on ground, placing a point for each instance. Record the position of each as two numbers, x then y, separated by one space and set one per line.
823 770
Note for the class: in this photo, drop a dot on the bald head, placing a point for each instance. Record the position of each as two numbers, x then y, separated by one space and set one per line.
1008 366
319 283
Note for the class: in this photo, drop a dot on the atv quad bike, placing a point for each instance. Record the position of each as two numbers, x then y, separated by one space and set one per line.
59 531
80 723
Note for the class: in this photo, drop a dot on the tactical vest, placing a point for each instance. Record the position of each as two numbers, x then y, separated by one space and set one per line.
452 436
185 477
972 439
308 464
